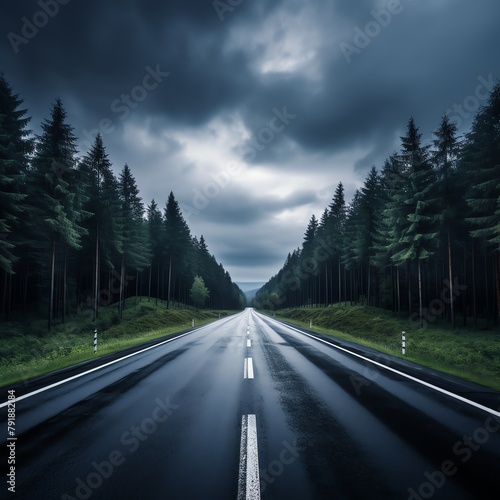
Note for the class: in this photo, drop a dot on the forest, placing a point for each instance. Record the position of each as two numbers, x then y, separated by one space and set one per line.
420 237
74 236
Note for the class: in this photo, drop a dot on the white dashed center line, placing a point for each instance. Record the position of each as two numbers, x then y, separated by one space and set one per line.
249 482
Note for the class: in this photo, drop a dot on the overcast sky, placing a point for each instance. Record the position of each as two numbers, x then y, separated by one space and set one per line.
250 111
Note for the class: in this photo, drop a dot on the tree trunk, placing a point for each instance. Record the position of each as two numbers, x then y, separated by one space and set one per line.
25 287
169 281
122 287
96 277
410 304
474 303
64 285
497 288
149 284
340 281
157 281
4 296
52 272
487 294
420 302
369 285
450 279
326 283
398 288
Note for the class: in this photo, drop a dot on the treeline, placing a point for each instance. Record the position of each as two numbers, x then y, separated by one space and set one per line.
74 236
421 236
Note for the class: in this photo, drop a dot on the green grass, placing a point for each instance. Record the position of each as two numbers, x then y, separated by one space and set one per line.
28 350
466 353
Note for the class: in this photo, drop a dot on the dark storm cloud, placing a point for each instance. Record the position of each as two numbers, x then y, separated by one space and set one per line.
237 207
426 58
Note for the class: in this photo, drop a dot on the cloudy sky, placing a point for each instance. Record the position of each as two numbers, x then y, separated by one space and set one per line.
250 111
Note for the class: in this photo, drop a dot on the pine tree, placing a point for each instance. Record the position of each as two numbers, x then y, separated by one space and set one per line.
365 227
386 222
135 249
56 218
309 262
482 157
178 242
419 232
335 226
15 148
156 242
445 160
105 240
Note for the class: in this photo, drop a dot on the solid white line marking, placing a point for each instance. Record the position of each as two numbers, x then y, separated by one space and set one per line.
385 367
249 343
248 368
46 388
249 481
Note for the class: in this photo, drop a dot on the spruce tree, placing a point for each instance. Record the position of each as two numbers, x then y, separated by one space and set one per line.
481 159
156 242
419 232
445 156
105 241
136 252
178 242
15 149
335 226
55 221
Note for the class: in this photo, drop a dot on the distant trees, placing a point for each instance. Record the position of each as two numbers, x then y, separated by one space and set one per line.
421 236
75 237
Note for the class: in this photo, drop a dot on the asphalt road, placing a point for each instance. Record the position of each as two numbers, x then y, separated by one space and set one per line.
248 408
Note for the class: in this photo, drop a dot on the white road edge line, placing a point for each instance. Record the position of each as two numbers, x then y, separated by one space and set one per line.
51 386
249 481
385 367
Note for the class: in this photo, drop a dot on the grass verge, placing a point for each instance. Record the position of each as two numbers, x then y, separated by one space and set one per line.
28 350
470 354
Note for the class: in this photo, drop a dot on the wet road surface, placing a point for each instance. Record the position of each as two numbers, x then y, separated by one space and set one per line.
247 408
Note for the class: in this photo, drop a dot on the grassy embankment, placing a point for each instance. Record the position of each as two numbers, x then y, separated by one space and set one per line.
28 350
471 354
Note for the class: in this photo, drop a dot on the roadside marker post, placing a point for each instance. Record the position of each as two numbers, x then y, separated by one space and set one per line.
192 323
403 343
95 340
